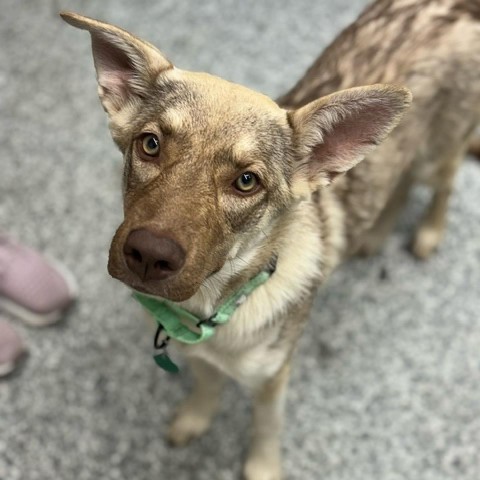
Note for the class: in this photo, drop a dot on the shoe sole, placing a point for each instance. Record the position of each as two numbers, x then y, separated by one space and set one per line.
7 368
12 365
36 319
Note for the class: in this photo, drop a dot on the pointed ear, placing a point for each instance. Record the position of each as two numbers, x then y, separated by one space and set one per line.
334 133
126 66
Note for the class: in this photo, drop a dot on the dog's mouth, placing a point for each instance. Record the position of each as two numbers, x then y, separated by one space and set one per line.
178 288
168 294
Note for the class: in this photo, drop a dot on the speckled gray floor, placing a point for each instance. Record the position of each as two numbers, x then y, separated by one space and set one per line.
386 384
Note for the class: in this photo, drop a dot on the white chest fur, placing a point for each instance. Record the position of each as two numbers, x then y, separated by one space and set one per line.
245 348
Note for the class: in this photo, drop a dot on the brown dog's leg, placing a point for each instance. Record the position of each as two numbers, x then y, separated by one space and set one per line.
430 232
431 229
264 459
195 414
373 240
474 146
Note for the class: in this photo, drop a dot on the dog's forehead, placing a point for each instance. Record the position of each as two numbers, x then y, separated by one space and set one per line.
213 88
204 103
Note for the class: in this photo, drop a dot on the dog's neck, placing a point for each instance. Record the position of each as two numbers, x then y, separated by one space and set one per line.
237 271
299 264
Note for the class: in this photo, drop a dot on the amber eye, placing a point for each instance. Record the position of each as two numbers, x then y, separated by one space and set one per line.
247 182
150 144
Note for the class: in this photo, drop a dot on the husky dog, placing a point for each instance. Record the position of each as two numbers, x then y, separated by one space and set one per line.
222 182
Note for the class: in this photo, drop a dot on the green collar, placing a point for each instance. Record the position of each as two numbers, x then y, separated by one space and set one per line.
185 327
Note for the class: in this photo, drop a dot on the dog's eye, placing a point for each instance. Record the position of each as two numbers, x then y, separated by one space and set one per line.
150 145
247 182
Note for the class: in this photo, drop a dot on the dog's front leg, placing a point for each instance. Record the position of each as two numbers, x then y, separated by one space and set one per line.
195 414
264 458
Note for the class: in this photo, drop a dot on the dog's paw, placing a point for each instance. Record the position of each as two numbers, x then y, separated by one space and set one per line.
426 241
261 468
186 427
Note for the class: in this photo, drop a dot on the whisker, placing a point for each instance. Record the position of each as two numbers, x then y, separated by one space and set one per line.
242 260
264 234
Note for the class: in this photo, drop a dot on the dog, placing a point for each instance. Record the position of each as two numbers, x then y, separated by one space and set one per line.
222 183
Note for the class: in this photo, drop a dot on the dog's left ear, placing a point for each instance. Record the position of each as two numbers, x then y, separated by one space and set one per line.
334 133
126 66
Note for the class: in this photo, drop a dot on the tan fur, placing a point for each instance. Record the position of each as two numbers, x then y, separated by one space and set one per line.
474 146
318 201
425 45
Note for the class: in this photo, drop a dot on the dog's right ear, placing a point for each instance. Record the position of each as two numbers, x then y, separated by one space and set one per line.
126 66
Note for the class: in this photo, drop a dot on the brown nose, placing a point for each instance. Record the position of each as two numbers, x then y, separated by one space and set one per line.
152 256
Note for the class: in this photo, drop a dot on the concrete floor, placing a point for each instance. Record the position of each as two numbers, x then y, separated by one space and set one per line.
386 381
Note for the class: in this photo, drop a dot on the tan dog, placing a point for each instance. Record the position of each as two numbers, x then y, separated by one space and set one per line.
219 180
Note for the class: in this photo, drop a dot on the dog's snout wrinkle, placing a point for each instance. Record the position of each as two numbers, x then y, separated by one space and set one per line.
152 256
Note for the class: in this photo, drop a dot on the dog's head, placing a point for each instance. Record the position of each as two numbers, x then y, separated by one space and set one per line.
210 165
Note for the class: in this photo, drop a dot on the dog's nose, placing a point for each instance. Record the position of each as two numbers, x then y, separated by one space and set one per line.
152 256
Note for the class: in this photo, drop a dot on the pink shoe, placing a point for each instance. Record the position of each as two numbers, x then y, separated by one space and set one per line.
32 288
11 348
